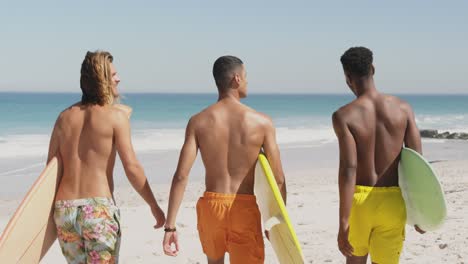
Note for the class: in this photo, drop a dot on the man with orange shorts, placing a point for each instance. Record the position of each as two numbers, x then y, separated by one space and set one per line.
229 136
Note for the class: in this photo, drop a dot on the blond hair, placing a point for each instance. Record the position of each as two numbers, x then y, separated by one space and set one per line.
96 78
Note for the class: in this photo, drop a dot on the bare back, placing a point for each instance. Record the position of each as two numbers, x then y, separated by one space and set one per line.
85 136
230 136
378 125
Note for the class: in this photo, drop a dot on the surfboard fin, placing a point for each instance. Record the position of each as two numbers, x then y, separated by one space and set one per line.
272 221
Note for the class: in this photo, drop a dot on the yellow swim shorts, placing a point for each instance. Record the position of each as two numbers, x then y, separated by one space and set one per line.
377 223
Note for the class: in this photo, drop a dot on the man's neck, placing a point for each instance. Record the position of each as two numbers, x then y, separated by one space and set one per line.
229 94
366 87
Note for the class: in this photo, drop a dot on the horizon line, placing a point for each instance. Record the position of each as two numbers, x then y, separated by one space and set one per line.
252 93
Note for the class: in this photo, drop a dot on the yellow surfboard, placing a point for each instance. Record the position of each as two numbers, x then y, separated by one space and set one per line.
31 231
275 217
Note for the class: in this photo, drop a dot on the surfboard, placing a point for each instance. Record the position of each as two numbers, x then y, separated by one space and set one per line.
275 217
422 191
31 231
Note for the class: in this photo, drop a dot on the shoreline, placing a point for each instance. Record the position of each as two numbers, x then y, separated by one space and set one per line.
160 165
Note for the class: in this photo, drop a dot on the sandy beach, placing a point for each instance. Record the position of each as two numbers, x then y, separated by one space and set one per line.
311 173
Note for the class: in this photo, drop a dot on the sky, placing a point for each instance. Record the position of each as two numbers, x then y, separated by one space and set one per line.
287 46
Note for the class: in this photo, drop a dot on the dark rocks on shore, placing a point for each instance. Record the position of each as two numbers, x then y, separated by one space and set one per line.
432 133
444 135
458 136
428 133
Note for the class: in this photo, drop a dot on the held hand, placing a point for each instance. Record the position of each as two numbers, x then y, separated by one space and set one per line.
419 230
159 216
343 243
170 238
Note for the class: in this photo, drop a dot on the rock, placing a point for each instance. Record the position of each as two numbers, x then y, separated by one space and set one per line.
433 133
463 135
458 136
443 135
442 246
453 136
429 133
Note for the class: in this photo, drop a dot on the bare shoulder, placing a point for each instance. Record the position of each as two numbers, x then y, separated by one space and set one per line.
61 119
68 113
344 113
394 99
119 117
197 120
405 106
72 108
399 102
127 110
258 120
203 117
262 118
339 117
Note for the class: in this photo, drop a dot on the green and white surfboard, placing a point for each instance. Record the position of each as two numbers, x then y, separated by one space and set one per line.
422 191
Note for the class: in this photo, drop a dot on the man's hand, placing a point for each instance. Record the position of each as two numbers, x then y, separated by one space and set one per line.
343 242
419 230
170 238
159 216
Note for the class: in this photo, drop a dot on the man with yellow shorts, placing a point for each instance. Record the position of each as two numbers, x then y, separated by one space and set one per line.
230 136
371 131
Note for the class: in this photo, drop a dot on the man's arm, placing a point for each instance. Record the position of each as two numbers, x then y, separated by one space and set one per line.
270 147
132 166
346 179
412 134
54 143
54 150
187 157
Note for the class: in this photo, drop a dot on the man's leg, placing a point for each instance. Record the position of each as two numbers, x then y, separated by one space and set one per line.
101 232
387 239
211 221
245 243
69 237
360 225
356 260
216 261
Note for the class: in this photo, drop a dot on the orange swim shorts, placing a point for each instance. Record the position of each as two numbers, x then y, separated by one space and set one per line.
230 223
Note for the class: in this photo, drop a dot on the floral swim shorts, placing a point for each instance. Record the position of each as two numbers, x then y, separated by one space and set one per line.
88 230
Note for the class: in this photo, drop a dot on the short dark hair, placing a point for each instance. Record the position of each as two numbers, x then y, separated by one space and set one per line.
223 70
357 61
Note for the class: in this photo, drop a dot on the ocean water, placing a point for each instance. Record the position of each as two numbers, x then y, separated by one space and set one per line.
158 120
